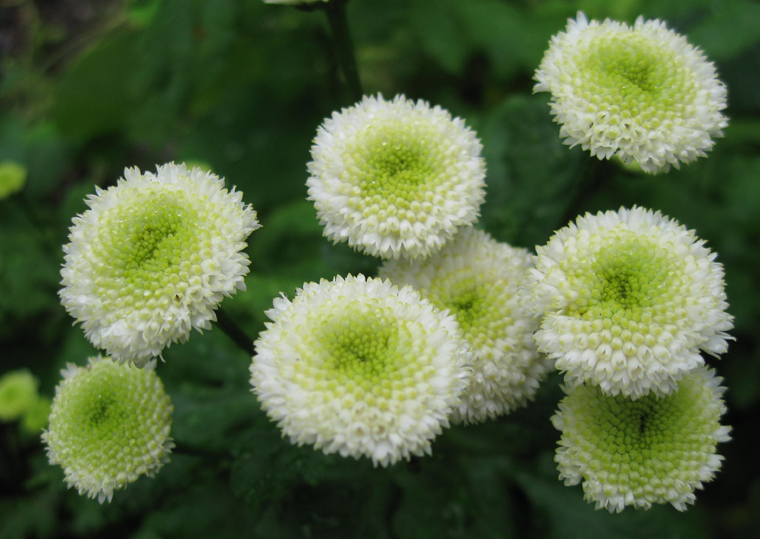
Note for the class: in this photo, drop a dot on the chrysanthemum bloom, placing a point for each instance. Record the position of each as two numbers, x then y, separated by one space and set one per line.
109 424
153 258
629 299
642 92
18 391
395 178
360 367
478 280
651 450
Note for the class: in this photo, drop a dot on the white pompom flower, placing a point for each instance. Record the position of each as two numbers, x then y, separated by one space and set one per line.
360 367
642 93
153 257
479 281
109 424
395 178
642 452
629 299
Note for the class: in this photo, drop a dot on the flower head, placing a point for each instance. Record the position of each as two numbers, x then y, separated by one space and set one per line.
109 424
153 258
360 367
18 392
395 178
651 450
628 299
642 92
478 280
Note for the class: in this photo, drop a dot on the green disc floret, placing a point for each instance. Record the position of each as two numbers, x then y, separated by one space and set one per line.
400 166
148 239
628 277
361 345
641 76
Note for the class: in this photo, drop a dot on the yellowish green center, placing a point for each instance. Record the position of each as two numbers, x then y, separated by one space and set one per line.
152 249
102 409
396 165
652 440
628 277
364 349
635 73
478 302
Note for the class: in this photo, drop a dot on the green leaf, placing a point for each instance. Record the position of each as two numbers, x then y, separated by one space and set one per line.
563 513
531 174
97 95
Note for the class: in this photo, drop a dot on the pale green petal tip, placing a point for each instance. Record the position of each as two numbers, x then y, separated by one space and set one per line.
653 450
109 424
18 393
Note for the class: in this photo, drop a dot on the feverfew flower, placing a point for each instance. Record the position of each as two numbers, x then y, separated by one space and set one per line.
109 424
478 280
651 450
629 299
153 258
641 93
360 367
395 178
18 392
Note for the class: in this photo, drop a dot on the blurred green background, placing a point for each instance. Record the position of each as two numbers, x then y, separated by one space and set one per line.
90 86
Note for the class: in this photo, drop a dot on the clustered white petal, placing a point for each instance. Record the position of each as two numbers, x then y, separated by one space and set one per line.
360 367
395 178
109 424
651 450
629 299
479 280
153 257
642 93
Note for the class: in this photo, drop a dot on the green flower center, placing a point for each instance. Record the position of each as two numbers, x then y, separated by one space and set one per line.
396 165
154 247
103 408
629 276
154 235
363 348
479 304
634 72
665 440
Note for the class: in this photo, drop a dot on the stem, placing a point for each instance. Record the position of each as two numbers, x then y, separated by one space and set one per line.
233 331
344 50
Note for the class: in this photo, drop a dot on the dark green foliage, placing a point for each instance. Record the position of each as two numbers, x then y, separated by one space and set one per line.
242 87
